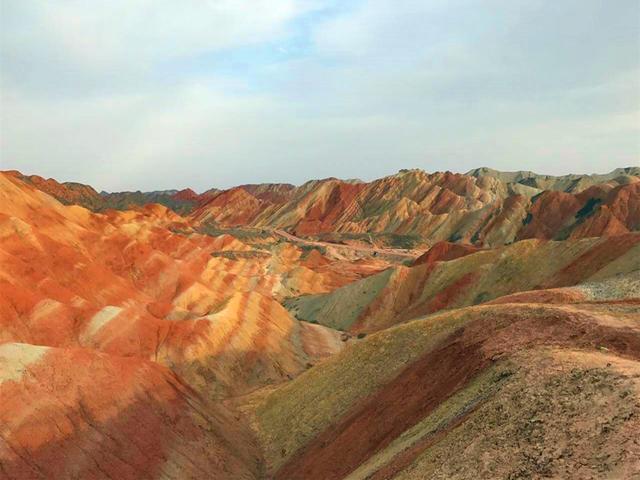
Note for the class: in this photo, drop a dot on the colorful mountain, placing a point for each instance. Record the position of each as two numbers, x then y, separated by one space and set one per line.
484 325
483 207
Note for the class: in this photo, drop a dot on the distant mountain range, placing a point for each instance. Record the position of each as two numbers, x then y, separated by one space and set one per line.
483 207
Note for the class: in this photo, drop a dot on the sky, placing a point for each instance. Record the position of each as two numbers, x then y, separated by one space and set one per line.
157 94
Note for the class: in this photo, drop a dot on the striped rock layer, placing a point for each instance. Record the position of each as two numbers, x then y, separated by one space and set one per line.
484 207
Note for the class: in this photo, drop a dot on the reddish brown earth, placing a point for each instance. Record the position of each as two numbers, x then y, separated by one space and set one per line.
270 192
186 194
322 214
594 259
68 193
442 251
232 208
474 276
549 213
115 417
446 206
122 336
492 333
385 415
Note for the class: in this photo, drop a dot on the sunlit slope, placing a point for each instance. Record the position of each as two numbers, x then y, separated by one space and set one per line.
125 283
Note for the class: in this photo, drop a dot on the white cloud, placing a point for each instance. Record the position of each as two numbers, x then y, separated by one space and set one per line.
379 86
114 31
117 43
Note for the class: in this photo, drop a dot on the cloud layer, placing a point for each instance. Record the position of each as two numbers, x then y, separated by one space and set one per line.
141 94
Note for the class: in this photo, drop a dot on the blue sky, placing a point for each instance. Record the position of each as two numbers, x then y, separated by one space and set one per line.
128 94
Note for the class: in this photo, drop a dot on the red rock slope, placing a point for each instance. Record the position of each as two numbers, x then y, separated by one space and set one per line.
76 413
483 210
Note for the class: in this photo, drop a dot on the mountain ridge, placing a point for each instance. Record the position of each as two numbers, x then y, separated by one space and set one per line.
479 208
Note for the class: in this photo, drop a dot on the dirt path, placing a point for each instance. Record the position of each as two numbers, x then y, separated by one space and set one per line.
399 252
